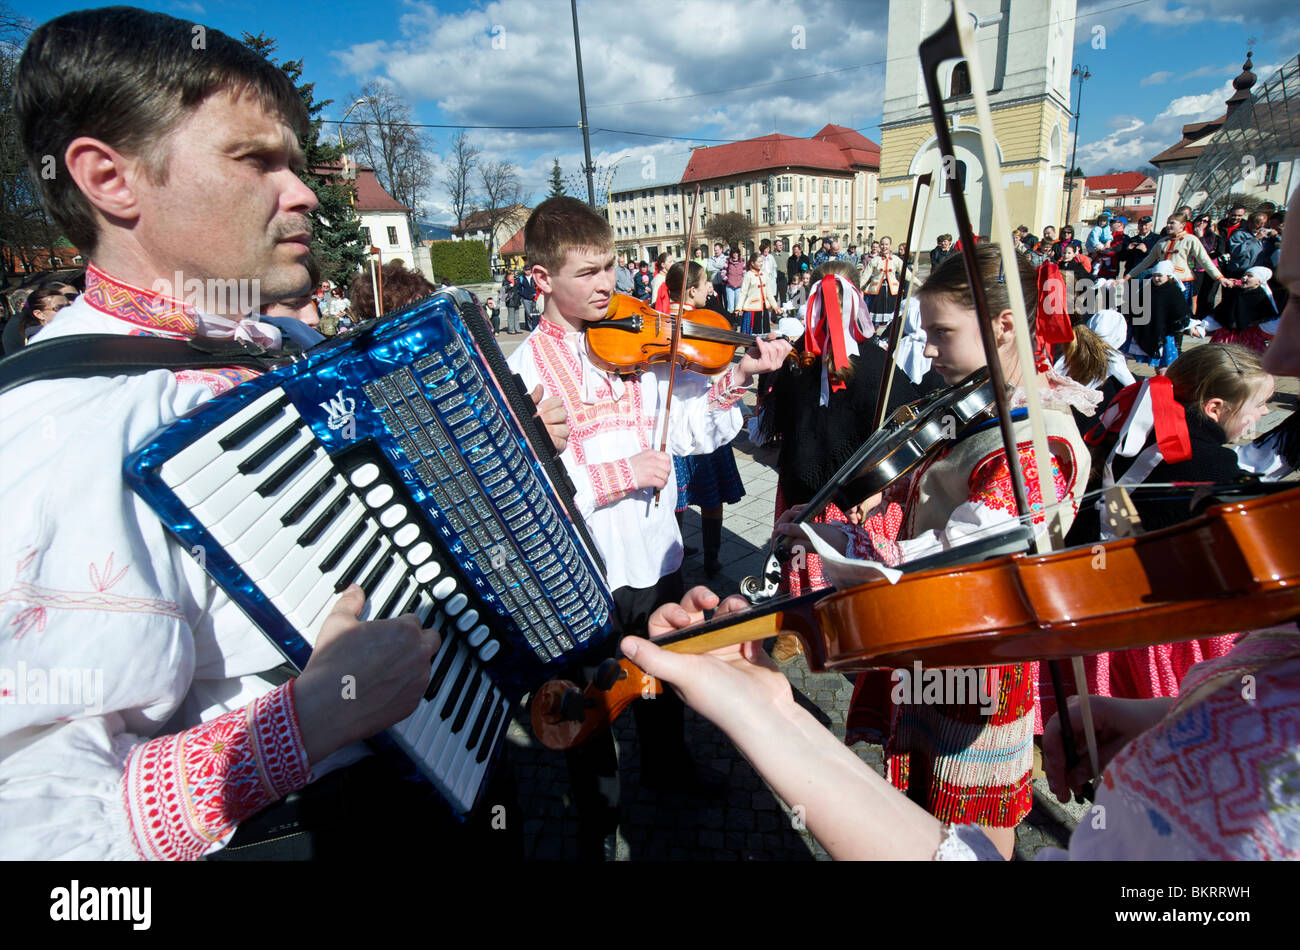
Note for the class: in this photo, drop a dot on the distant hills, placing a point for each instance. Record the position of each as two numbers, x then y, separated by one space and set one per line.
435 232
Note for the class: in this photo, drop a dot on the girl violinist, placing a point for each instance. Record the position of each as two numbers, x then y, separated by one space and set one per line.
962 765
706 481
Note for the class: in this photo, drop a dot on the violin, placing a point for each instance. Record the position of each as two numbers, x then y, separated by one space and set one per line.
912 435
633 336
1134 592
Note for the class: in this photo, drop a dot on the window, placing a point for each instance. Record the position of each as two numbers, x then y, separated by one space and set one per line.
365 236
961 179
78 260
801 211
764 214
1270 173
959 81
56 261
826 212
747 194
716 190
813 186
731 191
837 186
762 187
748 215
392 235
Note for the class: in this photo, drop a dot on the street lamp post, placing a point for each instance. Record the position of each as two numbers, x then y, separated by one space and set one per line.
1082 72
348 174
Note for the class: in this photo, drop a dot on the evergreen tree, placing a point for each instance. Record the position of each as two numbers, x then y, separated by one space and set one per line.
336 230
557 184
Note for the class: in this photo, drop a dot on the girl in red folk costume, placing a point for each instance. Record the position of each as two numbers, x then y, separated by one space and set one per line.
822 408
970 763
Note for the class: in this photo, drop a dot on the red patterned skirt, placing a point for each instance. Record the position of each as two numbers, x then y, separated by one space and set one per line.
1252 337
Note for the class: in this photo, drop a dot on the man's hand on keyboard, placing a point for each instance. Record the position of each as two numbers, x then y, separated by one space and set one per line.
362 676
551 412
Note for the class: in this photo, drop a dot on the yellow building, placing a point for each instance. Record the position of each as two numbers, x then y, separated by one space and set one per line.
1025 50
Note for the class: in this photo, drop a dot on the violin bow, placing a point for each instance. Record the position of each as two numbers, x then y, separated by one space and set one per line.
895 329
677 323
954 41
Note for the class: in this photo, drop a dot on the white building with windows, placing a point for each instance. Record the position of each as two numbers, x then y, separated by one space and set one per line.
385 221
797 189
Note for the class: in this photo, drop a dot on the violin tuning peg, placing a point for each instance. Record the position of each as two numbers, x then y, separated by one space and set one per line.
573 705
608 673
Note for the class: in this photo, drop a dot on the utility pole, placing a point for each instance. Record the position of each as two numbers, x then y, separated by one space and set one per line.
1082 72
582 102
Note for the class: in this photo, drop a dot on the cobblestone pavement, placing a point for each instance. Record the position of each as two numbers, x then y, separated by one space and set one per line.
751 823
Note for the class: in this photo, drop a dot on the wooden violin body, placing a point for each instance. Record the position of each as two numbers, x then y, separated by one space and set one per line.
1235 567
633 336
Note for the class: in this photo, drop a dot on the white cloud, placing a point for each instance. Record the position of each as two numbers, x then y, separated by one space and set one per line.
1156 78
676 72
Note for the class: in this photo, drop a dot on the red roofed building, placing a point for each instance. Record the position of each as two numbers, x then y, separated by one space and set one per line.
793 188
1130 194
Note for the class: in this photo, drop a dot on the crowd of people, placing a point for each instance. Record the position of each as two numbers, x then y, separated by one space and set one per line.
200 744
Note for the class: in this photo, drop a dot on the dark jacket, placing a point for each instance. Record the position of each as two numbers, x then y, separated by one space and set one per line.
816 440
1211 461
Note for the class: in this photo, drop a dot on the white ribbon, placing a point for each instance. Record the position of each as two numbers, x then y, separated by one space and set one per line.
248 329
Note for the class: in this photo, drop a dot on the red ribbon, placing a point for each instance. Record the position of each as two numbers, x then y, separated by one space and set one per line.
1170 421
1052 325
832 326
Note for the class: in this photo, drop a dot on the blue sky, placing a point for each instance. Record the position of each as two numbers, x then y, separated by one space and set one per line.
704 71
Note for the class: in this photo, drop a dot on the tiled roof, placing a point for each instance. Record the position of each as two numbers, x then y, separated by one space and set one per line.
514 246
1196 136
1124 183
857 148
762 154
371 195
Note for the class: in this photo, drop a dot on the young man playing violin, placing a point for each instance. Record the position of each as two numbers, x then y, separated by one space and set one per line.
963 763
613 459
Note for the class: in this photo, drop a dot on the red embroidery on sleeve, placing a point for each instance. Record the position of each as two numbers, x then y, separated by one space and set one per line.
183 793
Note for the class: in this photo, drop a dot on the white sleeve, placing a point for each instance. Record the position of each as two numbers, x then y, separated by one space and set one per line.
705 414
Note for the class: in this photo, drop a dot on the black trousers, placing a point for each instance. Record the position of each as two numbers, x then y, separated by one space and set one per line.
593 767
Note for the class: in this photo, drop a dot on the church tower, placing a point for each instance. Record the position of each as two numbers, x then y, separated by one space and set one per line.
1025 49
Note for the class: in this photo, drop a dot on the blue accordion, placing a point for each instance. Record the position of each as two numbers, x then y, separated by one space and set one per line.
405 458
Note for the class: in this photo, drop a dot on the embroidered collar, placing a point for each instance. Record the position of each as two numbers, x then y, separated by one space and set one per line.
555 331
147 309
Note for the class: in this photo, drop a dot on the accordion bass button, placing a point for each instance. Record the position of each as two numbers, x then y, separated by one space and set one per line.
456 604
488 650
444 588
392 517
379 495
427 572
363 475
478 634
406 534
419 554
467 620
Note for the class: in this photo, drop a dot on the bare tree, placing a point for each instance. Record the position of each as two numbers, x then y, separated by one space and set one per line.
391 144
458 178
501 194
